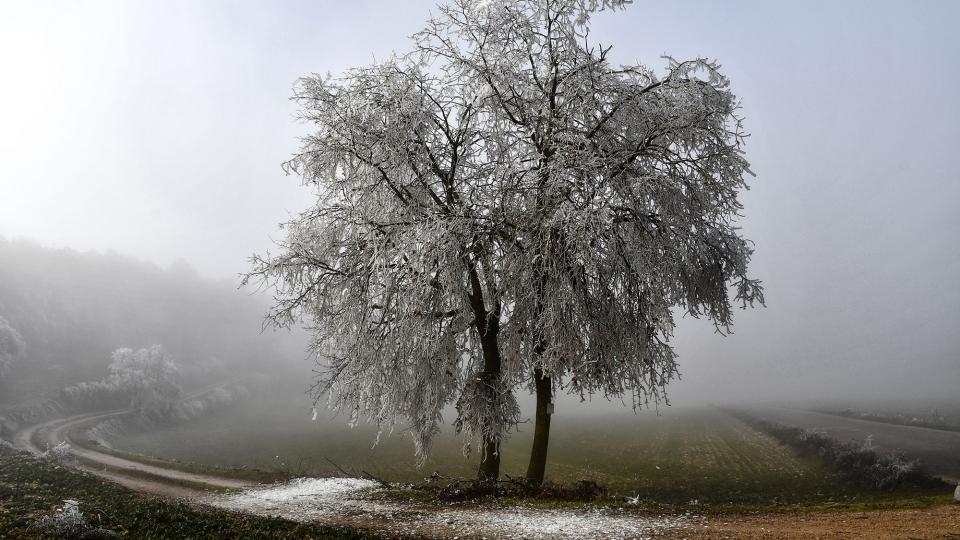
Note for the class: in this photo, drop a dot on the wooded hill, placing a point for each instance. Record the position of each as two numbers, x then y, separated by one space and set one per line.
73 309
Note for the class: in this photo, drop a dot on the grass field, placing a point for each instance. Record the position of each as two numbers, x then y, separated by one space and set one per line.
682 455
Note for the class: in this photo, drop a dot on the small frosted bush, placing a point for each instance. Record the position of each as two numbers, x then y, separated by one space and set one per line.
67 522
58 454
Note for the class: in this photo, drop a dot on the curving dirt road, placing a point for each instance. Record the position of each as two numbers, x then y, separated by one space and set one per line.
139 476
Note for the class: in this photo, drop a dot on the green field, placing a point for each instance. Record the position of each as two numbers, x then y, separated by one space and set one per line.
679 456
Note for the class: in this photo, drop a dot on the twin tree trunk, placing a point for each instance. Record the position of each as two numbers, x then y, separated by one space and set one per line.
490 459
489 330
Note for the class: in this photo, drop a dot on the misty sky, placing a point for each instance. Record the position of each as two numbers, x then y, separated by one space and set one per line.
157 129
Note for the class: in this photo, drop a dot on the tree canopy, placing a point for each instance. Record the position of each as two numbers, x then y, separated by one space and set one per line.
503 207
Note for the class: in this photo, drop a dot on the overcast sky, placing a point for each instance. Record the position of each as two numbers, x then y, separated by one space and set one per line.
157 129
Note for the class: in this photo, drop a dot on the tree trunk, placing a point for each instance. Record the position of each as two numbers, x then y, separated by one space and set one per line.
488 326
541 430
490 461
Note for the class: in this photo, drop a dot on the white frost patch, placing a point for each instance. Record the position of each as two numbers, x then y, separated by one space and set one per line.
517 522
301 498
341 501
314 488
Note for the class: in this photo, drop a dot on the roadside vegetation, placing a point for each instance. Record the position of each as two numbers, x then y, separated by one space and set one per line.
932 419
858 464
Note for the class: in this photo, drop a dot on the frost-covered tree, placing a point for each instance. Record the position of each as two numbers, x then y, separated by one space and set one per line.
12 346
146 380
150 376
504 207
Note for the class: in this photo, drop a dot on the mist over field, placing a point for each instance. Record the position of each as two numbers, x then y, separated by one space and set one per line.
851 210
141 181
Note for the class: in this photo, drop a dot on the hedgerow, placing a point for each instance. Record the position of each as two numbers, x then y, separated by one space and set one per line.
859 463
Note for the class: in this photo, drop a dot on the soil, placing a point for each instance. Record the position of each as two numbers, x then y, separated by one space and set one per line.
938 522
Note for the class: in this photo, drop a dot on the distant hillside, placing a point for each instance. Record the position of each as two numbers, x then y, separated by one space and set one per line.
72 309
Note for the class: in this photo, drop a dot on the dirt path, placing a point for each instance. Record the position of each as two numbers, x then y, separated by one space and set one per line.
138 476
160 480
28 439
940 522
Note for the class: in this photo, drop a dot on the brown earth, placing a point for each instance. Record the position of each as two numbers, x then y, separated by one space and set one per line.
939 522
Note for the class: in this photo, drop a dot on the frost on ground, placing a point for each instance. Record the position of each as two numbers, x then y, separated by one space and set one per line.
520 522
301 498
344 501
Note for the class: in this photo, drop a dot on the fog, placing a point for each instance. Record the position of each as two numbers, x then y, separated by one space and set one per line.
151 134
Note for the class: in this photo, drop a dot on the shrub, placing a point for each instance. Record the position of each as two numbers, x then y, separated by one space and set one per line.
58 454
68 522
146 380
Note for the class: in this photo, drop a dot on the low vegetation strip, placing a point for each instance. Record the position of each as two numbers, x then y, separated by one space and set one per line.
931 420
860 464
32 489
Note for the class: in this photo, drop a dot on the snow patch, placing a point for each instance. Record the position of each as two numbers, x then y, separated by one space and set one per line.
344 501
308 496
518 522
